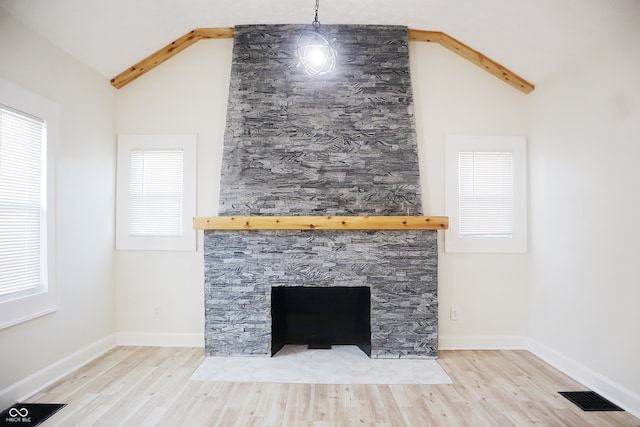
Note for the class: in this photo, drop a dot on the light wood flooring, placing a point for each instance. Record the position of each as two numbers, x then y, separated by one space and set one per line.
150 386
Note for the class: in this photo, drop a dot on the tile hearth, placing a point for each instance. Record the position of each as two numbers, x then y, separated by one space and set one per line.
340 365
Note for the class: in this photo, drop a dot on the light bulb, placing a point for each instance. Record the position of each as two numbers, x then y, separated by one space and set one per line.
315 53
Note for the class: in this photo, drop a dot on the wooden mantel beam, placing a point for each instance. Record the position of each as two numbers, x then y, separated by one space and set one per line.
173 48
321 223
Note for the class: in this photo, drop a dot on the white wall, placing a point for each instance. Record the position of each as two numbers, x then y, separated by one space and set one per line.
35 352
187 94
453 96
585 205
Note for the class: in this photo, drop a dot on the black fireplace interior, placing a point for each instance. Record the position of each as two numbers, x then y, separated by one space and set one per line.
321 317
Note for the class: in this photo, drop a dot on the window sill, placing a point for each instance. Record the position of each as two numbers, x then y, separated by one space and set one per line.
20 310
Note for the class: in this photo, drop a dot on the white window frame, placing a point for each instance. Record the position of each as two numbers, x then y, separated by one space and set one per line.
23 306
186 241
455 144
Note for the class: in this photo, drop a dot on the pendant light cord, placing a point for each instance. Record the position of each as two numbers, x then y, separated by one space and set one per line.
316 23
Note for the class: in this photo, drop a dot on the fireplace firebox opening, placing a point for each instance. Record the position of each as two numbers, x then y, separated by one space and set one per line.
321 317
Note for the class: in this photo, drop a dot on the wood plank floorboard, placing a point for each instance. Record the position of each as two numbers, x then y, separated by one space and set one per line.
150 386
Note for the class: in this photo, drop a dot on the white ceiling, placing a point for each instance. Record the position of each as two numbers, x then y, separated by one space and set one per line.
531 37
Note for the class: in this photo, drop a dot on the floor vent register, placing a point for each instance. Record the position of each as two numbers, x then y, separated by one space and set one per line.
590 401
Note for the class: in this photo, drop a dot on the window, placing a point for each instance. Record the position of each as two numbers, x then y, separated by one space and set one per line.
486 194
22 144
156 192
28 129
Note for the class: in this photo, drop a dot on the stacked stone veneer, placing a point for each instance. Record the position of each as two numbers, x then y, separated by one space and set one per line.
337 144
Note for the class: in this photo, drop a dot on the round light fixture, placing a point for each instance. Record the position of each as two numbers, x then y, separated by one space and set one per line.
315 52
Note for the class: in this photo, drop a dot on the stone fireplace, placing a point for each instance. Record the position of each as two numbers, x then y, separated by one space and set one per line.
337 144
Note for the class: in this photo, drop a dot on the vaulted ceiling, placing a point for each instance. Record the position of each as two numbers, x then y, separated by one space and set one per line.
533 38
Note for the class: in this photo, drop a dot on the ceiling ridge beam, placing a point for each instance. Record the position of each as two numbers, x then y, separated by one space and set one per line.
425 36
466 52
215 33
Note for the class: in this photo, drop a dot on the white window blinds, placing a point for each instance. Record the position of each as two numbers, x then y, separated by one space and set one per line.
485 194
156 193
22 200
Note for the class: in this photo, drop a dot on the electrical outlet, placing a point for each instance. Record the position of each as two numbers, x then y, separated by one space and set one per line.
453 314
157 311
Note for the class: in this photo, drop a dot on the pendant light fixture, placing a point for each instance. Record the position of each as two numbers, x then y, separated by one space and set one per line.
315 52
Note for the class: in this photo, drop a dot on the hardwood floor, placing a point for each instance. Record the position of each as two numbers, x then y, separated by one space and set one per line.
149 386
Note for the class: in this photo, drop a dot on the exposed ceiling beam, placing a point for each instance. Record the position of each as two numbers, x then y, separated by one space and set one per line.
173 48
472 55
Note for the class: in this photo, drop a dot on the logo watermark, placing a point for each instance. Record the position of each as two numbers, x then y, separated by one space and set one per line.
18 415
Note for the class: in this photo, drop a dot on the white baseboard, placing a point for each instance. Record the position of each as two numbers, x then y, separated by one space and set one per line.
41 379
482 342
154 339
621 396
